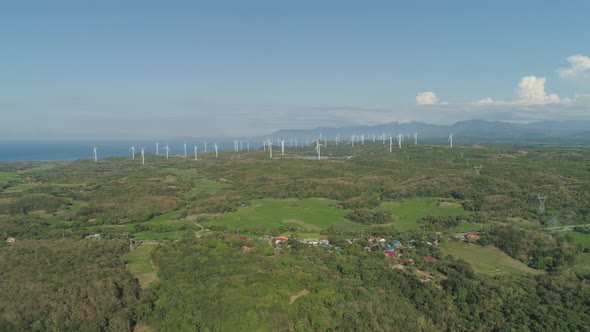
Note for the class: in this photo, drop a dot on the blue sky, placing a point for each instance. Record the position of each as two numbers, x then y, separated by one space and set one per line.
85 69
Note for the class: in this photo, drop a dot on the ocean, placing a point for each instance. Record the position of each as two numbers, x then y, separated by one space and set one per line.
14 151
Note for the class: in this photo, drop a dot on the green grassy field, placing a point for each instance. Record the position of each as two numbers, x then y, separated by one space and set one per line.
412 210
488 260
139 263
152 235
7 176
468 227
581 238
308 214
204 185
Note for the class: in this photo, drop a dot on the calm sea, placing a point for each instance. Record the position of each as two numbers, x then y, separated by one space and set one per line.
74 150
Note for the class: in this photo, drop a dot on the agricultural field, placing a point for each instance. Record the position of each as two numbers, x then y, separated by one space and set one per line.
411 210
580 238
310 215
488 260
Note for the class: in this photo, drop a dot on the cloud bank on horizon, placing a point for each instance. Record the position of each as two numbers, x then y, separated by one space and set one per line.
532 101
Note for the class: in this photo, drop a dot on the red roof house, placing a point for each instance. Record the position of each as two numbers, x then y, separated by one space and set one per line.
281 239
430 259
390 254
471 236
243 238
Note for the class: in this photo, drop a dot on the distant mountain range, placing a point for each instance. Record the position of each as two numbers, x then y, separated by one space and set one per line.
476 129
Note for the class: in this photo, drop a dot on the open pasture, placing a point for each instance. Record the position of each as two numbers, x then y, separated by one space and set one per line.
410 211
308 214
487 260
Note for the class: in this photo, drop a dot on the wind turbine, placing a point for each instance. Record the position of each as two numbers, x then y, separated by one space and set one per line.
390 143
451 140
185 150
399 140
270 148
216 155
282 147
415 138
196 157
205 146
132 152
167 150
352 140
318 149
142 156
95 155
157 149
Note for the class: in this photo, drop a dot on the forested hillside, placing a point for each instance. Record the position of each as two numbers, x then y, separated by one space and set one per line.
364 239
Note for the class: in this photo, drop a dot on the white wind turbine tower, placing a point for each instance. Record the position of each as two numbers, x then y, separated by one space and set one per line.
363 139
399 140
143 156
451 140
132 152
415 138
157 149
241 145
196 156
95 155
325 141
373 138
216 155
270 148
318 149
185 150
282 147
390 143
263 145
167 150
352 140
205 146
248 145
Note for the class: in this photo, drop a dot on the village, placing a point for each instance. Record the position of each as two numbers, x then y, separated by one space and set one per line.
400 255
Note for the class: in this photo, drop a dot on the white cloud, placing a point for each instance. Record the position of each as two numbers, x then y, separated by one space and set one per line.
426 98
486 101
579 66
531 91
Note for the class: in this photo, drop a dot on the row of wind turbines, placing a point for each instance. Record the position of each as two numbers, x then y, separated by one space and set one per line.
268 145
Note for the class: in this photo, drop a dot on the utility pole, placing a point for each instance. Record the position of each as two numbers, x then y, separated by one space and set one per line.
477 169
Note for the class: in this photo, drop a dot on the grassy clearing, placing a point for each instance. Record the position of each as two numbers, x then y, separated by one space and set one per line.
468 227
139 263
204 185
487 260
151 235
412 210
309 214
581 238
7 176
168 216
